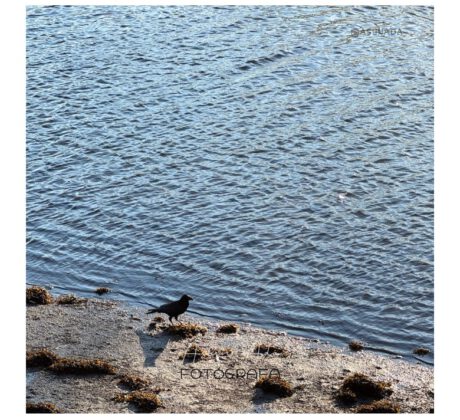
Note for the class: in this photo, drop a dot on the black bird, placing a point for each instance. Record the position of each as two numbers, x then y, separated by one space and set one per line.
173 309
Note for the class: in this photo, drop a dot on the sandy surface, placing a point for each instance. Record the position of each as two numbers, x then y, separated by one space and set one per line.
119 334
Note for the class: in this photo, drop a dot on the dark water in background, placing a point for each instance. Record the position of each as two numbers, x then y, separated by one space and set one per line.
203 150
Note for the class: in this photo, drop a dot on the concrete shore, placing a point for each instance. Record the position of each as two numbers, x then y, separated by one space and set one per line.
221 382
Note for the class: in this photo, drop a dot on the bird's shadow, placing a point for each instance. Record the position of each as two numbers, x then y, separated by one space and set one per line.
153 345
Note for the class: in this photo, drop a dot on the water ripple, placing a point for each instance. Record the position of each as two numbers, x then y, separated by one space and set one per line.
261 159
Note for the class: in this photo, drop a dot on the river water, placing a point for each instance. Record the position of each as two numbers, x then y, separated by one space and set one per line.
275 163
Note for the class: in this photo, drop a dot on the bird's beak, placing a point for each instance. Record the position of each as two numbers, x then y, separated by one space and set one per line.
190 298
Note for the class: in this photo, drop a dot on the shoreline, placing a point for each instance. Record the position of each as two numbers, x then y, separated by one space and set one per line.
123 336
337 342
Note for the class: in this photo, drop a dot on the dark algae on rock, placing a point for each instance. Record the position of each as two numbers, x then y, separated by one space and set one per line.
82 367
227 329
42 407
359 386
40 358
133 382
275 385
381 406
186 330
270 349
145 401
102 290
44 358
70 300
37 295
355 345
421 351
194 353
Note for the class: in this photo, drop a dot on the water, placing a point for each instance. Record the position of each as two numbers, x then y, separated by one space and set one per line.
271 162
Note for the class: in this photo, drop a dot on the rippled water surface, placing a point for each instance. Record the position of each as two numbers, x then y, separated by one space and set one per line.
276 163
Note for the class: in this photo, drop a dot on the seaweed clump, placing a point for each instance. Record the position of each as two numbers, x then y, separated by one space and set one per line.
154 324
194 353
145 401
355 345
227 329
347 397
42 407
40 358
102 290
358 386
82 366
276 385
133 382
381 406
227 351
36 295
270 349
70 300
47 359
421 351
186 330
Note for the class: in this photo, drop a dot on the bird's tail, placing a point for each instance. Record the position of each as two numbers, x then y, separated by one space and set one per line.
151 311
